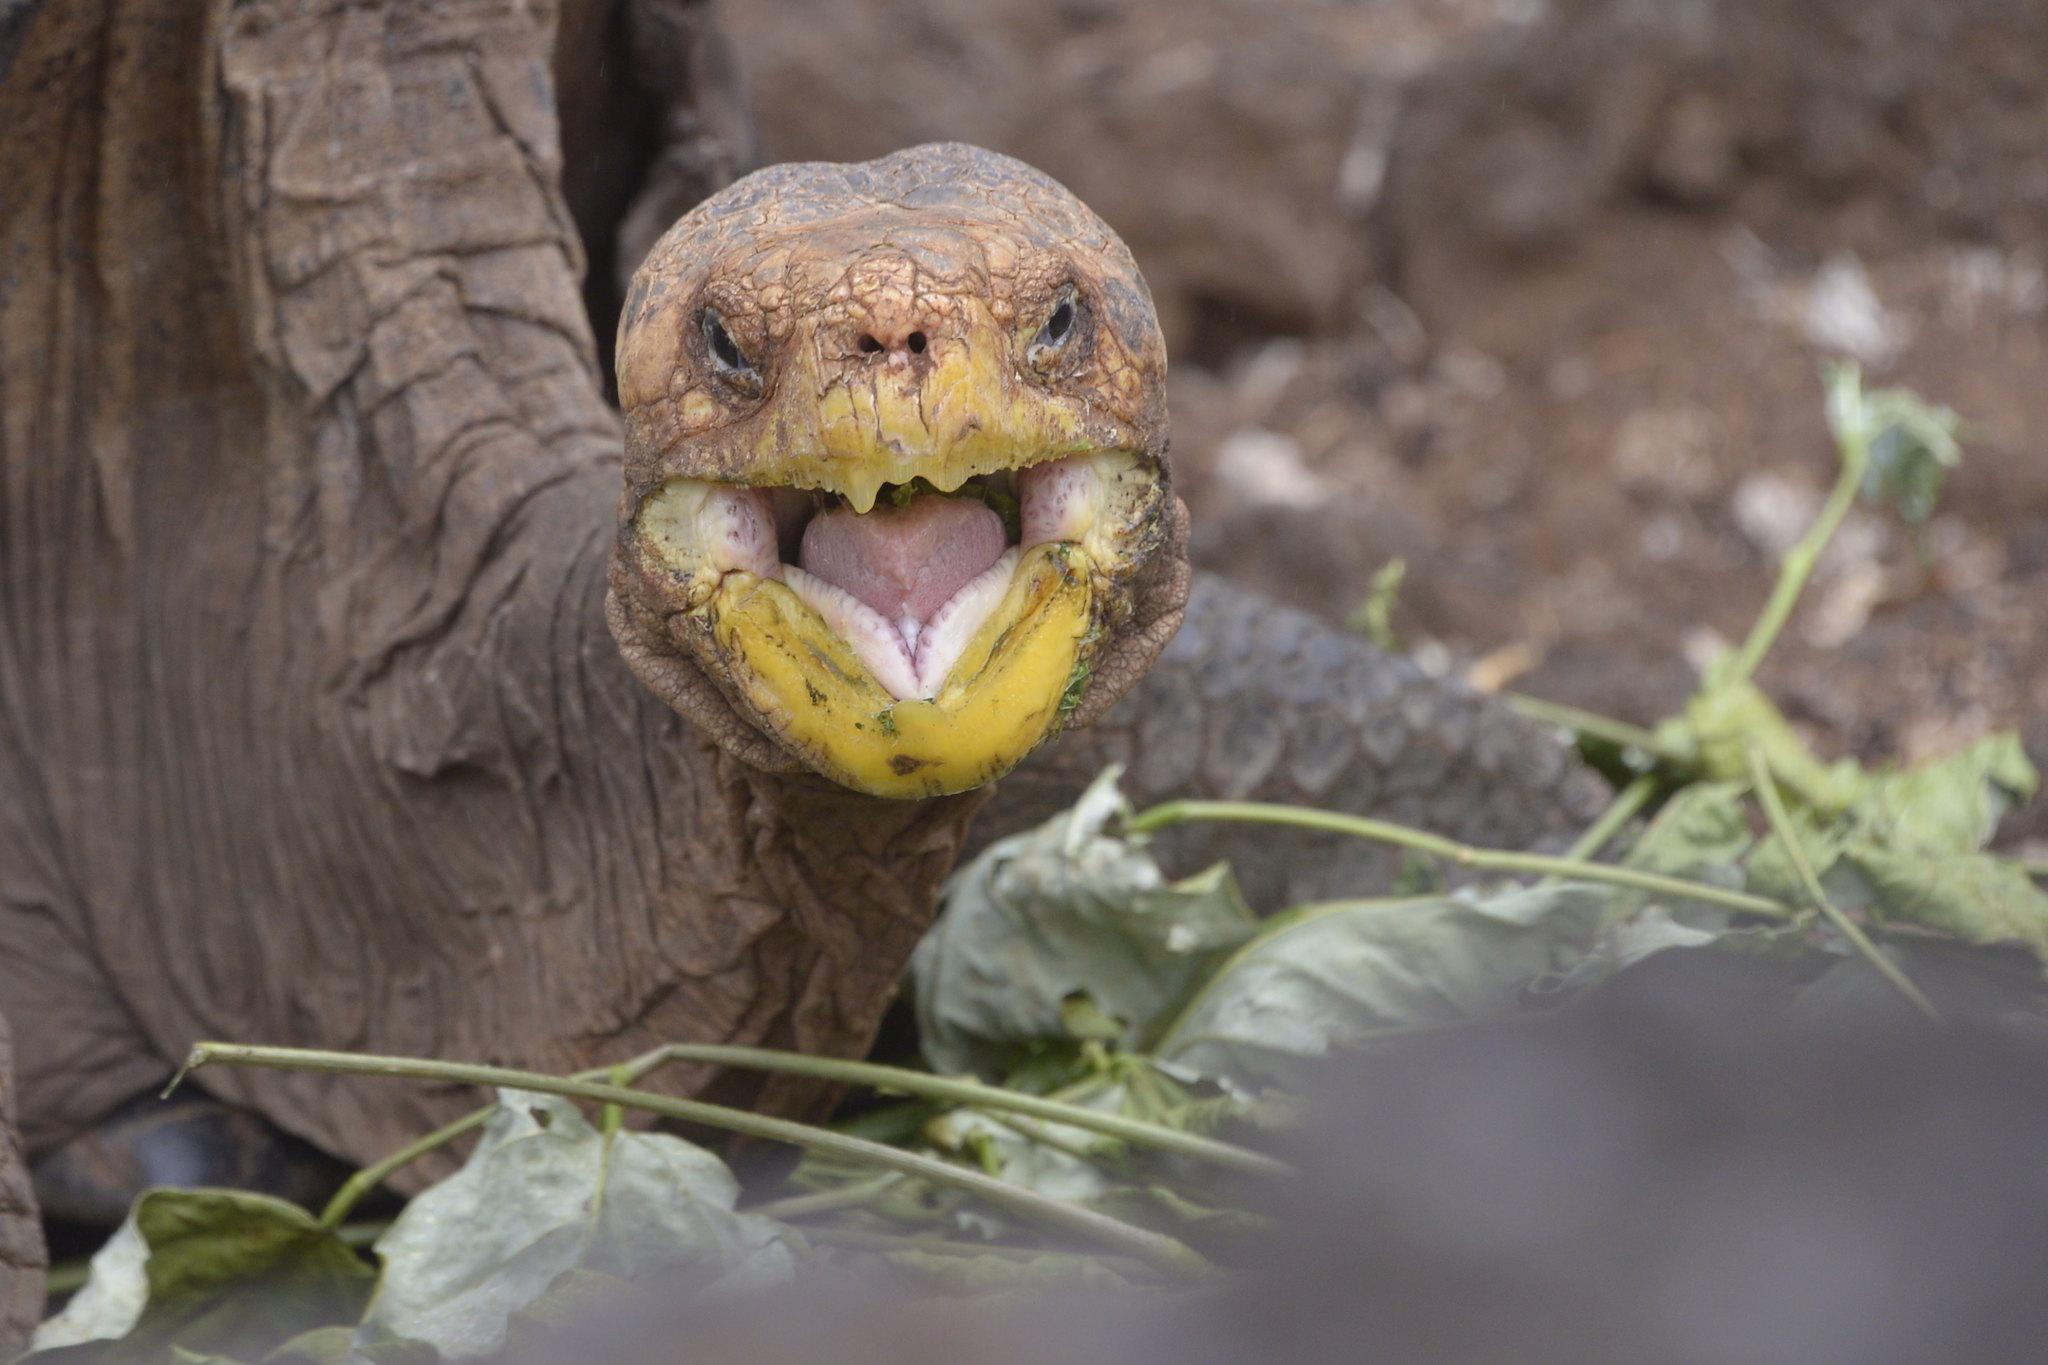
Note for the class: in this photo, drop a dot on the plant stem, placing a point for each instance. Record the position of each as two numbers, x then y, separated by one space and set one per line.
359 1185
1151 1247
827 1201
1590 724
67 1277
1034 1131
1781 825
613 1117
958 1090
1627 804
1801 559
370 1177
1484 859
866 1240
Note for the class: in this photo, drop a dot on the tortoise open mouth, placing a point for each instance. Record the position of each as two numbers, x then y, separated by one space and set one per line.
922 644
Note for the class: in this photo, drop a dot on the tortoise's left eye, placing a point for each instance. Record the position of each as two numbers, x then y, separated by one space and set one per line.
1061 324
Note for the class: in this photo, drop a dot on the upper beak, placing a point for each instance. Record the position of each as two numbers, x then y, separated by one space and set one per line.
958 408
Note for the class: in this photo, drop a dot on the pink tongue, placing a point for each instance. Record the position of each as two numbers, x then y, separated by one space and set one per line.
904 561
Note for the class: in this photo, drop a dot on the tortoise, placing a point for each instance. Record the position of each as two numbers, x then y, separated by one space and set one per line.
368 680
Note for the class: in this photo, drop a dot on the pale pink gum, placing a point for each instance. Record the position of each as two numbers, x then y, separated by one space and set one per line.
1054 500
738 529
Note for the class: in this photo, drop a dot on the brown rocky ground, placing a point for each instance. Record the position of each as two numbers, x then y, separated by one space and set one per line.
1535 296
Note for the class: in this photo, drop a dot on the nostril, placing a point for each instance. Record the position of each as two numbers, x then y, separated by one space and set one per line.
916 341
869 344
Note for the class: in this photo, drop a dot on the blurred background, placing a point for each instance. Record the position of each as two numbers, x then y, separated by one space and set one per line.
1534 295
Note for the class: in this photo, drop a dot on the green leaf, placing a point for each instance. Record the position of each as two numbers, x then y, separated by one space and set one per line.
1082 1020
543 1194
1771 871
1972 896
995 499
211 1273
1062 911
1646 933
1052 1158
1949 806
1333 976
1725 720
1911 444
1374 617
1701 834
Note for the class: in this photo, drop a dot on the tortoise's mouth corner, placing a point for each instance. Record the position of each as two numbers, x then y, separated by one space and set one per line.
920 645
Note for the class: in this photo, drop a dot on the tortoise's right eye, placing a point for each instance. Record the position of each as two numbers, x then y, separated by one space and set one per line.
725 352
729 363
726 355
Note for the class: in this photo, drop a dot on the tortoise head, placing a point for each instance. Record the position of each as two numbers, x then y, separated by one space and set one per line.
896 505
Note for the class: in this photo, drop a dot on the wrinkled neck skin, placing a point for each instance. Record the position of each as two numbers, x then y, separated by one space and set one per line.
488 842
311 725
706 899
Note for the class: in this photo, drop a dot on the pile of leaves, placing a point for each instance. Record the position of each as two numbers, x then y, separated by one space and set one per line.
1106 1045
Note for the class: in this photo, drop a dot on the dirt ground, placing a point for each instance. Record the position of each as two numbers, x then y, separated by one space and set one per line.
1535 296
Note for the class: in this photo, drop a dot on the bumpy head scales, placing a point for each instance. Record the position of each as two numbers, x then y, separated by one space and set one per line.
896 503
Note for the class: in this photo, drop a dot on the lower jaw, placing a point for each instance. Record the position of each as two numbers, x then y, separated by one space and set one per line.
1010 688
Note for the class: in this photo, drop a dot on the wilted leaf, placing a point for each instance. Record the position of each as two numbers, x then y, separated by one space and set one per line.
1726 720
1052 1158
1645 934
1701 833
1333 976
1973 896
1771 869
1910 443
1908 849
209 1272
1949 806
1064 911
115 1293
543 1194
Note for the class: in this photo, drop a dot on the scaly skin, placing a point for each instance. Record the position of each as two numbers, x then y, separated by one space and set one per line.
1253 701
312 730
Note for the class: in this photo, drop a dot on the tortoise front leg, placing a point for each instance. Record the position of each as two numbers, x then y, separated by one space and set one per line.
22 1261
